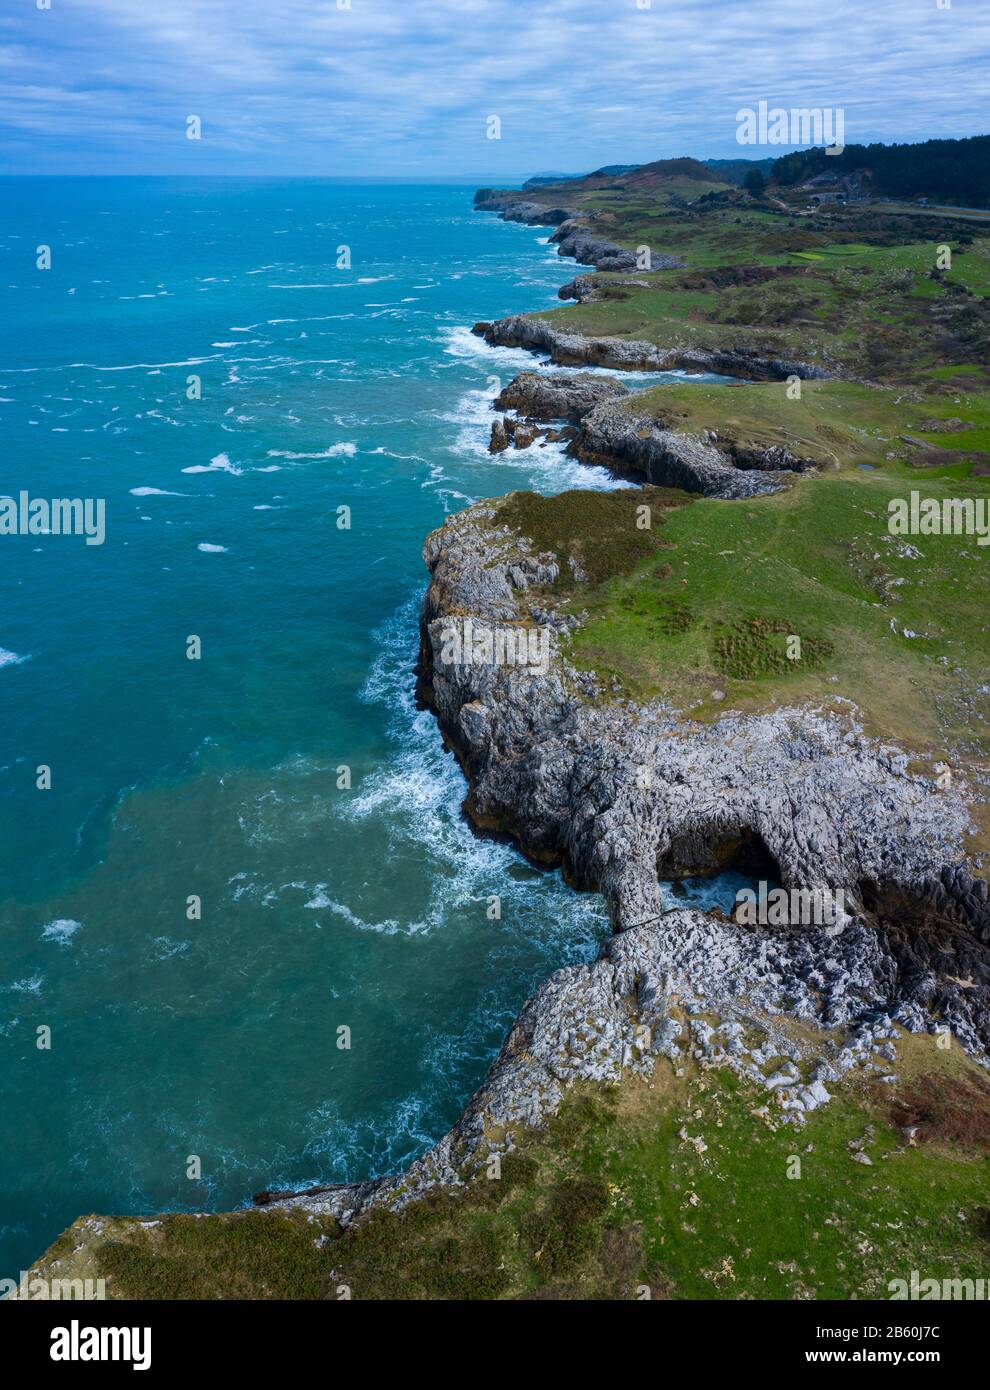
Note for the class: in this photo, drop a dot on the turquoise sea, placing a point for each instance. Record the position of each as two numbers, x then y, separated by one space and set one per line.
320 388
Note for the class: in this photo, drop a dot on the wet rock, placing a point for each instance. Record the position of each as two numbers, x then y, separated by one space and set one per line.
500 437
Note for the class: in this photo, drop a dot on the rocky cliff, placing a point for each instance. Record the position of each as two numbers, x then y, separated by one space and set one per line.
572 236
623 795
624 354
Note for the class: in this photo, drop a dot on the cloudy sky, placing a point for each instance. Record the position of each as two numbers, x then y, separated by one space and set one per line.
406 87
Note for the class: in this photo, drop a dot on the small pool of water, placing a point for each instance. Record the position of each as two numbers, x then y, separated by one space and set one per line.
703 894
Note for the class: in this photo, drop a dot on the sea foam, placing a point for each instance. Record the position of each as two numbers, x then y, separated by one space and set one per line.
61 930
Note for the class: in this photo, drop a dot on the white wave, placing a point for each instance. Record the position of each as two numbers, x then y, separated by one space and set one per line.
126 367
402 458
320 901
544 467
310 318
31 984
11 658
387 1143
61 930
220 463
548 470
344 450
212 549
155 492
417 798
462 342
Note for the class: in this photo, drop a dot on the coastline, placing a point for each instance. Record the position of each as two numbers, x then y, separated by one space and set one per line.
614 837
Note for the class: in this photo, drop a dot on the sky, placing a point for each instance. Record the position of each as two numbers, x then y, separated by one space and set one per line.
405 88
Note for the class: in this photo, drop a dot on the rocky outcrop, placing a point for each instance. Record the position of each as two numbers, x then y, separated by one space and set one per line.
573 238
612 434
622 354
582 288
563 397
639 446
652 993
500 439
586 289
521 435
513 208
622 795
873 820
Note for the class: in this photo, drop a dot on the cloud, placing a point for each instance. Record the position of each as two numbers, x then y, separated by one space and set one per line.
393 86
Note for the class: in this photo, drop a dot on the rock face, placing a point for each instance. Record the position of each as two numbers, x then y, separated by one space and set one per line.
632 444
623 794
573 238
558 398
575 350
513 208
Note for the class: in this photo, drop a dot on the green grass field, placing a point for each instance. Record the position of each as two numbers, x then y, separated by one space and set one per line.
711 597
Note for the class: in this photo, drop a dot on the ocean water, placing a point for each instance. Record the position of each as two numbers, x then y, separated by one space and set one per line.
322 907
